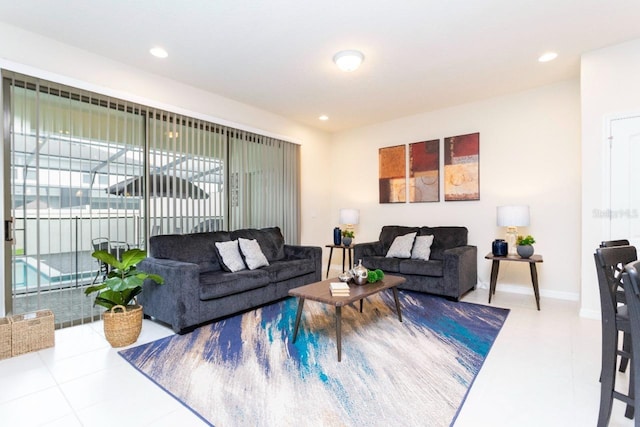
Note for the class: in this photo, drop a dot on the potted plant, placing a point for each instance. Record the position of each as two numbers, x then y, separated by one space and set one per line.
347 237
123 282
524 246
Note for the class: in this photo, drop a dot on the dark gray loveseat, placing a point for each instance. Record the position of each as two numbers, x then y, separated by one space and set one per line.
451 269
197 289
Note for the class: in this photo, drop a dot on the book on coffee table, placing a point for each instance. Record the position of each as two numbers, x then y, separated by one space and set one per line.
339 289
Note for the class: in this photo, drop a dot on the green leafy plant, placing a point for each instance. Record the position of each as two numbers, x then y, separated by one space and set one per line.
525 241
124 281
348 233
375 275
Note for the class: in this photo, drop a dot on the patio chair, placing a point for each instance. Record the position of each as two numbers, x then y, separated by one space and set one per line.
113 247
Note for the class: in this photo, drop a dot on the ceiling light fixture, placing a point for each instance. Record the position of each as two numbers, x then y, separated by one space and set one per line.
323 117
348 60
548 56
158 52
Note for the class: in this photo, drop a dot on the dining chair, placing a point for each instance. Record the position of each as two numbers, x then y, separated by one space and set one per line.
631 277
620 297
610 263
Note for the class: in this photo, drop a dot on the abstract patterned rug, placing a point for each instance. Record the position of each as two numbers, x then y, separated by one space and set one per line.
245 371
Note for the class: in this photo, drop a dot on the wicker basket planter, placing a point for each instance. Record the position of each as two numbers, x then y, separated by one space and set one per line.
32 331
122 325
5 338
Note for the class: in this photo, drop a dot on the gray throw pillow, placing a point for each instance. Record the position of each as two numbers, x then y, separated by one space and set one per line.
253 255
401 246
230 255
422 248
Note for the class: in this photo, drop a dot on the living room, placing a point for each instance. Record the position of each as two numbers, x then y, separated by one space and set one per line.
541 146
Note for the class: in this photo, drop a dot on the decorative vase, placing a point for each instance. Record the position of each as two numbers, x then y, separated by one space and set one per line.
360 273
337 235
123 327
499 247
525 251
346 241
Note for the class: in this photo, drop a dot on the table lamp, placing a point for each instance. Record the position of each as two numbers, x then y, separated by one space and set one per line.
349 217
512 217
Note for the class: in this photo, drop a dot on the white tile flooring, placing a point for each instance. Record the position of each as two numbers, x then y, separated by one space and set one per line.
542 371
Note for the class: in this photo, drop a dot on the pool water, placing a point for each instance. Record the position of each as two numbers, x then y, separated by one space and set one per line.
25 278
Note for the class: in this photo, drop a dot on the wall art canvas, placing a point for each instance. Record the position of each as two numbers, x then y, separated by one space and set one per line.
392 178
462 167
424 171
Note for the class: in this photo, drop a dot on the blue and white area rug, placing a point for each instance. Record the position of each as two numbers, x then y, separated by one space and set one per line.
245 371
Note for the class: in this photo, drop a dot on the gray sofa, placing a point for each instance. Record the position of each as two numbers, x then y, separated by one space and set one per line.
450 271
197 289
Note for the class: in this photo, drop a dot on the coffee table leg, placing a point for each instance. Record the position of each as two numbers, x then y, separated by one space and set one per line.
298 314
495 265
339 331
395 297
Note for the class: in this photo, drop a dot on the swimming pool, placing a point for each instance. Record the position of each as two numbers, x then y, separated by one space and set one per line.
26 275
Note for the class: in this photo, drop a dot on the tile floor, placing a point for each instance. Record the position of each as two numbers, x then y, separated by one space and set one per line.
542 371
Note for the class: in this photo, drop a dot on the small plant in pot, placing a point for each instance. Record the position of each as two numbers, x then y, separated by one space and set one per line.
122 320
347 237
524 246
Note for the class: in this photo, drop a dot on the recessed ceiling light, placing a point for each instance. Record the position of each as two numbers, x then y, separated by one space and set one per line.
348 60
158 52
323 117
548 56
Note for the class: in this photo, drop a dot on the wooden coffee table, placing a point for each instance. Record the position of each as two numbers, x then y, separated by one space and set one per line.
319 291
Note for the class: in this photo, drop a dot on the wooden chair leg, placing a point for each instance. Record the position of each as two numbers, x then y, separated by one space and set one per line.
626 346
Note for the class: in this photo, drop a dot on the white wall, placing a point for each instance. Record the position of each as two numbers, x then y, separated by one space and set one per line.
32 54
529 154
610 84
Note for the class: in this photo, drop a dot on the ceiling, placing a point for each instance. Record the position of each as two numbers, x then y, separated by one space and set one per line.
420 55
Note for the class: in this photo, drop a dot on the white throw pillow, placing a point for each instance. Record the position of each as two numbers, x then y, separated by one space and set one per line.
230 255
253 255
422 248
401 246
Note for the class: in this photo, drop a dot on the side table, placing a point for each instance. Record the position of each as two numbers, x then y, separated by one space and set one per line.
533 260
344 248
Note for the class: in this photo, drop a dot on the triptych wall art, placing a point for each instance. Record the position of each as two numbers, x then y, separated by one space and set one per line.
418 180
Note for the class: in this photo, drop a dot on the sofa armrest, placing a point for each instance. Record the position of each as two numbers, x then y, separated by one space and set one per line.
306 252
460 270
361 250
177 298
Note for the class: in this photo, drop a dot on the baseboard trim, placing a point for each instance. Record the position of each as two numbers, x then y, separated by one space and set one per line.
528 290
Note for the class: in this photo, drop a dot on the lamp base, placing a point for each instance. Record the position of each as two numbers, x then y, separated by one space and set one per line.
511 238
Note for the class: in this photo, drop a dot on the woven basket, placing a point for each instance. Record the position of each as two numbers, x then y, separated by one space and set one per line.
122 327
32 331
5 338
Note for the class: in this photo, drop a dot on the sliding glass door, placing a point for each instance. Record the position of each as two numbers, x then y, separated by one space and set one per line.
85 172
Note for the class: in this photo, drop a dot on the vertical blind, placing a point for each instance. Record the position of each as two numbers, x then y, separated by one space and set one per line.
85 166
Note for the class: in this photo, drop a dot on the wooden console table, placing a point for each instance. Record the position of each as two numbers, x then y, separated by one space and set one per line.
533 260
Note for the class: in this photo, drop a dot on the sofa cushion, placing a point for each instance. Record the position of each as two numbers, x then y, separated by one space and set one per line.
253 256
198 248
287 269
444 238
422 247
390 232
230 257
270 240
422 268
220 284
387 265
401 246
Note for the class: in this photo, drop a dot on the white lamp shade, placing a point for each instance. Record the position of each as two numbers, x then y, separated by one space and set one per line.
513 216
349 216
